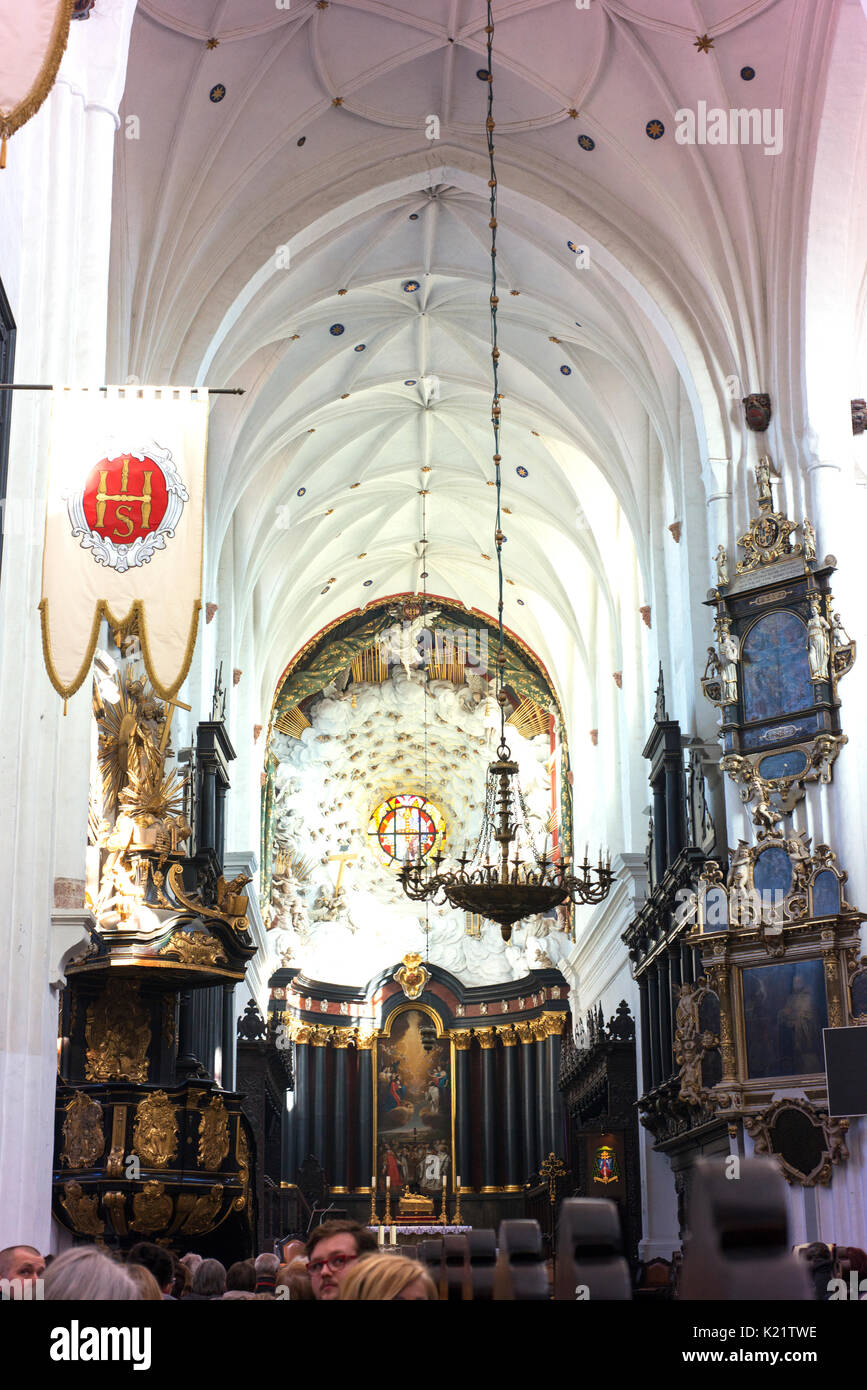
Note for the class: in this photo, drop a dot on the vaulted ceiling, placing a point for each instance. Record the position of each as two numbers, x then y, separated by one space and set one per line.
285 223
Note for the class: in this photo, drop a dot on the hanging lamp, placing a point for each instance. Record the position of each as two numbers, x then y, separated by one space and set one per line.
505 879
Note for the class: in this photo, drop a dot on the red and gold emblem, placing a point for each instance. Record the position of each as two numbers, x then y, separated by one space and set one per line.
129 507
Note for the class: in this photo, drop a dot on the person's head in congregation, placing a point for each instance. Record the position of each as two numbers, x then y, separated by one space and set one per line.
157 1261
149 1289
388 1279
88 1274
332 1249
209 1281
21 1262
266 1267
241 1277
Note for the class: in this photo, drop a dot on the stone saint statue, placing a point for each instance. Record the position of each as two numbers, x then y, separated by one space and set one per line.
722 566
728 659
818 642
809 539
763 479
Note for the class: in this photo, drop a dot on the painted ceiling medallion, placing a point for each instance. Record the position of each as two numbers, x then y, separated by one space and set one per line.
655 129
217 93
325 590
566 371
424 575
482 74
522 472
520 601
212 43
413 217
410 381
352 485
302 141
703 43
573 246
342 291
587 142
336 329
367 583
360 347
301 491
410 286
748 74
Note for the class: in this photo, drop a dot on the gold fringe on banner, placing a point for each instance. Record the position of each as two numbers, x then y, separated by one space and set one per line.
136 612
20 114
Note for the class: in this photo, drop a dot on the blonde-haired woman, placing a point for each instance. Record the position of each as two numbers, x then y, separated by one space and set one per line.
388 1278
88 1273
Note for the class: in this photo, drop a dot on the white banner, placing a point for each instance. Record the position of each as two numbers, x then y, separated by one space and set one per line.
33 37
123 528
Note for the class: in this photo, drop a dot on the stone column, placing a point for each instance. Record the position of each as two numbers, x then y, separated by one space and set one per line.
487 1040
644 1021
366 1158
302 1095
462 1038
55 231
340 1042
228 1035
511 1172
542 1109
666 1055
531 1159
653 999
553 1043
320 1099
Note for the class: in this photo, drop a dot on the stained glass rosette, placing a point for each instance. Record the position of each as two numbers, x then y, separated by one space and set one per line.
406 826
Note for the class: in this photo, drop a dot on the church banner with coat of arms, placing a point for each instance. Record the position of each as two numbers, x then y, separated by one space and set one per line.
123 528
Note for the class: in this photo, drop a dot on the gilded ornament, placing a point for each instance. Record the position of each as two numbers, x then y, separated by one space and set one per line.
412 976
194 948
151 1209
462 1039
82 1210
117 1033
205 1212
487 1037
155 1136
83 1137
213 1134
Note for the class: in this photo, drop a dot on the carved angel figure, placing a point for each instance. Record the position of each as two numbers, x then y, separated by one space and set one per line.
722 566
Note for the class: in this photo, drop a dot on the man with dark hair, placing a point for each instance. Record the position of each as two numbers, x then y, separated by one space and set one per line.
158 1261
332 1249
21 1262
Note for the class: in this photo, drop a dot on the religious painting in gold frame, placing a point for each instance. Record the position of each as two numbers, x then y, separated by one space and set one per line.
413 1104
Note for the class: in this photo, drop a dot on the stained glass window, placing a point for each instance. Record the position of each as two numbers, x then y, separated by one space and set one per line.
406 826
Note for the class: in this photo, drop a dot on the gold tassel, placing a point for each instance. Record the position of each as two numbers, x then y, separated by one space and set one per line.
3 153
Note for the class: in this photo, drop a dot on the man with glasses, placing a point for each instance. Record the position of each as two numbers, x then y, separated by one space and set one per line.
332 1250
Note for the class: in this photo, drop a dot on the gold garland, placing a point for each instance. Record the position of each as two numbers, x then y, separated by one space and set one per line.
22 113
136 611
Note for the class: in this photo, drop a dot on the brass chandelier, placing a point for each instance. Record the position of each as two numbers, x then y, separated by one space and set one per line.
508 889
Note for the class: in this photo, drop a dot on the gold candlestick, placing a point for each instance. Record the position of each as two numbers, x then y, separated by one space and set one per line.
444 1218
387 1217
457 1217
373 1202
